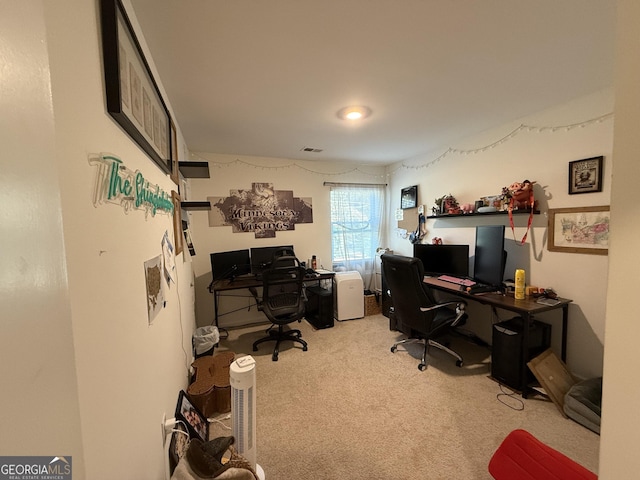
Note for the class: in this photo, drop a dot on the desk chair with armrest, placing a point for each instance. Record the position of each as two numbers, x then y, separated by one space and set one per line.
414 308
283 299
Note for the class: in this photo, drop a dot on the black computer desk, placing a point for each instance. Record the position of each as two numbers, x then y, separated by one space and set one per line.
527 308
250 283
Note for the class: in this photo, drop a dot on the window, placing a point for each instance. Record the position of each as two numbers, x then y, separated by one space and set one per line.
356 221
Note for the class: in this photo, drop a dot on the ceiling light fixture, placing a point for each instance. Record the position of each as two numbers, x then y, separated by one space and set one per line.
355 112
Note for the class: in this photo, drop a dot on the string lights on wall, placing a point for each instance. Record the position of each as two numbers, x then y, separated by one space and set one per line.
287 166
516 131
523 128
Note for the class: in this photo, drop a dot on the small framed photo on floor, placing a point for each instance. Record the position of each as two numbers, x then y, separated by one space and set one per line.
194 420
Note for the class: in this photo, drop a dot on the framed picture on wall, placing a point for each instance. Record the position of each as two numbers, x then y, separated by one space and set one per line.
132 95
177 222
409 197
175 172
579 230
585 176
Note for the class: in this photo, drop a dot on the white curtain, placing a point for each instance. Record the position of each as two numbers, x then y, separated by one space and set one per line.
357 213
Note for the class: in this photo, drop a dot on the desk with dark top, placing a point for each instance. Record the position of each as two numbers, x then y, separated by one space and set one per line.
251 283
526 308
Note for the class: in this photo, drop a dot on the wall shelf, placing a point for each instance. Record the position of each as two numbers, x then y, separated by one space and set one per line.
195 205
194 169
485 214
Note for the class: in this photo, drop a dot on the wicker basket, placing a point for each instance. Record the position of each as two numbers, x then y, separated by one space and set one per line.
371 305
210 392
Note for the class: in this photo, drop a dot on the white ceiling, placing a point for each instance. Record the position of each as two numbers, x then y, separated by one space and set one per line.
266 77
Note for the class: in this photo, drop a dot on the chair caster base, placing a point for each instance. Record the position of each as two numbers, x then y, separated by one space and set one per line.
393 349
422 367
458 363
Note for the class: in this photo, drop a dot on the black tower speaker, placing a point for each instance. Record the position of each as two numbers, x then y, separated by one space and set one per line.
319 308
506 352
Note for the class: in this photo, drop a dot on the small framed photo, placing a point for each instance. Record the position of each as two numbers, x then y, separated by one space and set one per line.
178 445
195 421
409 197
585 176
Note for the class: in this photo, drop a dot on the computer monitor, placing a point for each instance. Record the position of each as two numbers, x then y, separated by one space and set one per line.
490 255
443 259
261 258
230 264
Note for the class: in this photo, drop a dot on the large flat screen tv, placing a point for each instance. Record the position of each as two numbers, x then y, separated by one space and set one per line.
230 264
490 256
443 259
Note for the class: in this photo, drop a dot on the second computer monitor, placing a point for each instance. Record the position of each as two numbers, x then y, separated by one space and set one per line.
490 256
261 257
443 259
230 264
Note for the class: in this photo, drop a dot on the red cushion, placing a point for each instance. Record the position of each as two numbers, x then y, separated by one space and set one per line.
521 456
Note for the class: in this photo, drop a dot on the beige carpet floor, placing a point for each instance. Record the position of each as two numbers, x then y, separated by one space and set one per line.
348 408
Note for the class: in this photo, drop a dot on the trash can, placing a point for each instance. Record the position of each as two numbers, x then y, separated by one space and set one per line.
204 340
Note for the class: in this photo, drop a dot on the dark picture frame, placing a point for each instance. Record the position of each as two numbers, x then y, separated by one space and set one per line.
585 176
195 421
409 197
175 172
177 222
579 230
132 95
178 445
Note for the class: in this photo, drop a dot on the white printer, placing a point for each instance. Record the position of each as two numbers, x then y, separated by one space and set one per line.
348 296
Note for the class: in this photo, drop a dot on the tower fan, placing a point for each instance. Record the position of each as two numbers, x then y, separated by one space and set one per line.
242 376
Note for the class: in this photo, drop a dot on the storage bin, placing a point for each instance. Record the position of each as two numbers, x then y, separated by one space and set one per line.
371 304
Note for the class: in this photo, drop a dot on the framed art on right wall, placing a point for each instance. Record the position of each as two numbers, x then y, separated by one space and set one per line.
579 230
585 176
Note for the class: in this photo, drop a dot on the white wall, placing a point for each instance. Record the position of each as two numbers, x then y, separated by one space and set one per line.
537 155
620 420
39 404
236 172
83 372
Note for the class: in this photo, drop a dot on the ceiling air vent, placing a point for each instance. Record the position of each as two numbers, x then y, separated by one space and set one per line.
310 149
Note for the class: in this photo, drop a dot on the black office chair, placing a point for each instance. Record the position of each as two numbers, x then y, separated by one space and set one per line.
414 308
283 299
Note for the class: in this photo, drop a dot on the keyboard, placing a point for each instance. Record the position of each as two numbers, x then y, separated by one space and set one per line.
465 282
481 288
